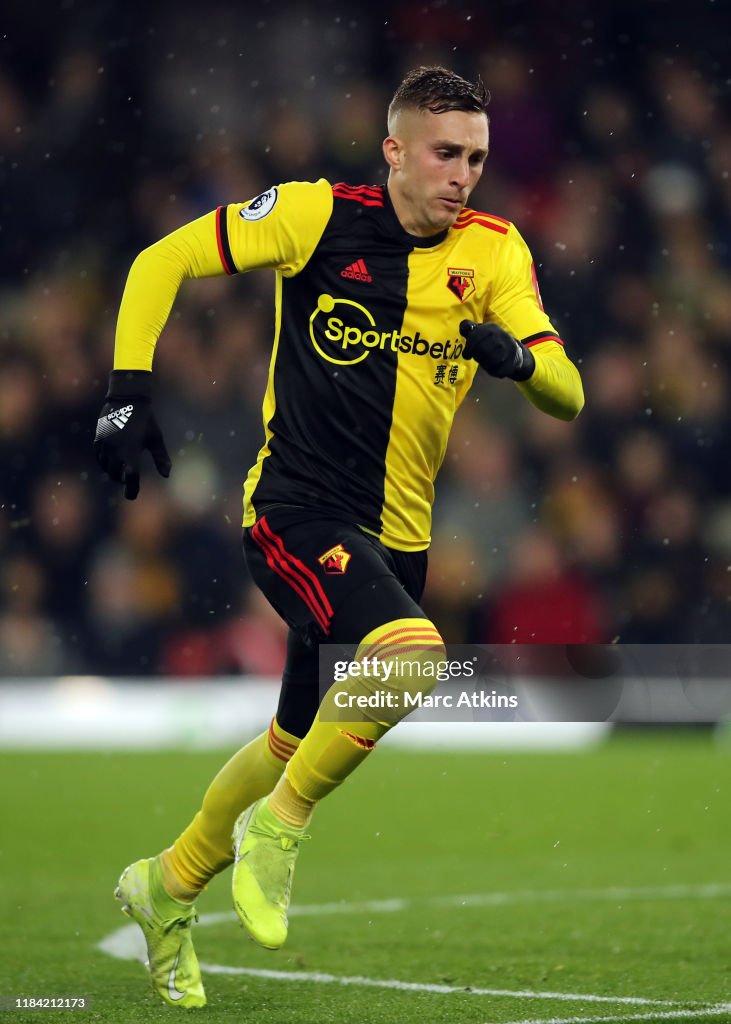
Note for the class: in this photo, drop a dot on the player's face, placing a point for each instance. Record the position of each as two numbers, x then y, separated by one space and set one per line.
436 160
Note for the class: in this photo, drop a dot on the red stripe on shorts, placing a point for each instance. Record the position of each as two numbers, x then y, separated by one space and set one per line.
294 572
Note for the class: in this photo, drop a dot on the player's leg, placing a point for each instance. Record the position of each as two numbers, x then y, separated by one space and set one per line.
268 836
158 892
298 703
204 848
393 629
340 740
402 639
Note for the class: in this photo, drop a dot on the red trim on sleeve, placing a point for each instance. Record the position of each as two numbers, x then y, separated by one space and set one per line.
221 212
543 337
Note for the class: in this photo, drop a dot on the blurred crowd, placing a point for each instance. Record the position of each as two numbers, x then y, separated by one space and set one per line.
610 149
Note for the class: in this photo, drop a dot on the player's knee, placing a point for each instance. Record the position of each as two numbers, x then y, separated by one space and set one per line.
405 655
405 639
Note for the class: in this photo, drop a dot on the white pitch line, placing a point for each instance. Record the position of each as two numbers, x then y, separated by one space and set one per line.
712 1011
611 894
417 986
127 943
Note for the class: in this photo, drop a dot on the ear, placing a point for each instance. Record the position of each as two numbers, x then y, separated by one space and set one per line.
393 152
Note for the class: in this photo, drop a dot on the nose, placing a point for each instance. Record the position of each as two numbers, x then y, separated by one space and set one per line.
461 174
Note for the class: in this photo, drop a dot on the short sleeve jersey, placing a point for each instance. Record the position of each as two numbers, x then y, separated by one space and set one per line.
367 369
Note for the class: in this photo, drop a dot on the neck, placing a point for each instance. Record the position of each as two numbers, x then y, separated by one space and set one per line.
404 213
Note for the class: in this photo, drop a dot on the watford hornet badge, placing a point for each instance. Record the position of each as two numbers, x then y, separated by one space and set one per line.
461 282
335 560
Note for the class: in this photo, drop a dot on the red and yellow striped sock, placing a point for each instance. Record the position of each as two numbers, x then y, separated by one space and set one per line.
333 748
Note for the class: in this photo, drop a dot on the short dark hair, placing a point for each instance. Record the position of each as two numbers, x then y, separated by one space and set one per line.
438 89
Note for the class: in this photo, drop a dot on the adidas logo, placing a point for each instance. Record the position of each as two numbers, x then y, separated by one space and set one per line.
357 271
120 416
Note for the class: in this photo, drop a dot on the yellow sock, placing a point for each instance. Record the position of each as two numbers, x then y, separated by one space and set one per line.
333 749
204 848
288 805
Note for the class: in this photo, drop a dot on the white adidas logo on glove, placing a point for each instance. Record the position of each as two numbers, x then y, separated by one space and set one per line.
120 416
119 419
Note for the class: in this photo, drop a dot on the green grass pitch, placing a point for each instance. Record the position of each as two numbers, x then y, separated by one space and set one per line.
604 873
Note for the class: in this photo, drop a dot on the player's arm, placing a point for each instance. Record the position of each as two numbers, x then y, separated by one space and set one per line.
520 342
540 367
278 229
555 385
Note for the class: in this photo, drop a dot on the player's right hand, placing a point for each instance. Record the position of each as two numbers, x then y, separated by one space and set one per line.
497 352
126 426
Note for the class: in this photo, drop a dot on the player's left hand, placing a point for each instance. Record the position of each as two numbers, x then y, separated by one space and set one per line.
497 352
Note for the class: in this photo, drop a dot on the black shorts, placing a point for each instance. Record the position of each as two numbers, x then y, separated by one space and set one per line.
331 583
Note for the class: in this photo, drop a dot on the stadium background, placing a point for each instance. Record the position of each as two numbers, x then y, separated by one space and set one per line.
611 147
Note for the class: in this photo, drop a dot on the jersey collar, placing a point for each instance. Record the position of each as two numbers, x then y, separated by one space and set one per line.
396 228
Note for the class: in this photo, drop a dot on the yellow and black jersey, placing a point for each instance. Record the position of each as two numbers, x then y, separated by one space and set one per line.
367 368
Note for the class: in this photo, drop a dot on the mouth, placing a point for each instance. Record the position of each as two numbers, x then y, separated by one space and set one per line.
451 204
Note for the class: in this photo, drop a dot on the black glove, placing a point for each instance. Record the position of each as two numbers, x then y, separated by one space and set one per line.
496 351
127 426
